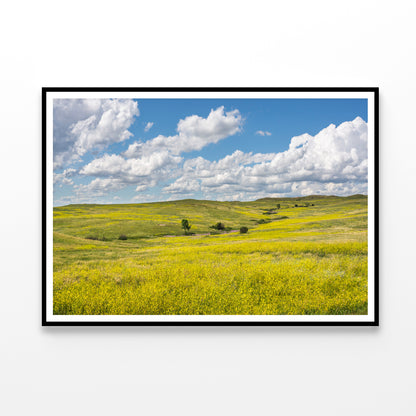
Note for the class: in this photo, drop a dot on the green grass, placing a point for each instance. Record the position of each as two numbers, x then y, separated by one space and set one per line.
304 260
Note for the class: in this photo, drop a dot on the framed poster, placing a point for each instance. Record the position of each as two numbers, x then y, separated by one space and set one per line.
210 206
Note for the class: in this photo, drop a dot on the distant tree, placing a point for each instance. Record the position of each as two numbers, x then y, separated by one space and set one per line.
186 226
243 230
278 206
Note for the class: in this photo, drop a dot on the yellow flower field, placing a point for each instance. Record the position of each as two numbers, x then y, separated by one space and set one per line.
310 259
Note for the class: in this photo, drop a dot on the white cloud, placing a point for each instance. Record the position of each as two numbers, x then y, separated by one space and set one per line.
194 133
130 170
98 187
200 174
141 188
332 162
64 178
299 141
113 172
81 125
263 133
157 160
148 126
183 186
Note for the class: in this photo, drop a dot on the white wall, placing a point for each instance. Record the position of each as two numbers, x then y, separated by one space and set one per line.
205 371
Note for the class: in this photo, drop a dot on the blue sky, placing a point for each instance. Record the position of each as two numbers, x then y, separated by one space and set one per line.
119 151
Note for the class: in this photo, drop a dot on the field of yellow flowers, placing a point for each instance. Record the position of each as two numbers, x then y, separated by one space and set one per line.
300 256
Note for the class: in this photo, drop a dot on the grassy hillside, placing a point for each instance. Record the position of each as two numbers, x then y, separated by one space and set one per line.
308 257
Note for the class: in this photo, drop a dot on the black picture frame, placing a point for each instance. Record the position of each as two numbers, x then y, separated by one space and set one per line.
374 321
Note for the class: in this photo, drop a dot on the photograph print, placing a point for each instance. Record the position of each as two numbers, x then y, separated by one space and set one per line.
210 206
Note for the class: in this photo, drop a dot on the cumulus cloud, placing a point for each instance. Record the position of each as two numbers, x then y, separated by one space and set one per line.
129 169
157 160
194 133
183 186
148 126
332 162
98 187
64 178
200 174
143 172
263 133
81 125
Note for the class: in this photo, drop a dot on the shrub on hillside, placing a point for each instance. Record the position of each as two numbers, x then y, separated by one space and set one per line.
243 230
263 221
218 226
122 237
